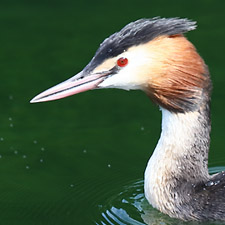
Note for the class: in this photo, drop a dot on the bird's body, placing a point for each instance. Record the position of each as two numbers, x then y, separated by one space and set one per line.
154 56
179 165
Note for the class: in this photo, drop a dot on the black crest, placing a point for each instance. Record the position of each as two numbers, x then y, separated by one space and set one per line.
139 32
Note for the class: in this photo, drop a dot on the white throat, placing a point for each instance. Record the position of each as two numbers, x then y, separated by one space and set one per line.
181 155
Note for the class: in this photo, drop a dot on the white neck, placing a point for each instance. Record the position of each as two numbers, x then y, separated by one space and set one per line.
180 158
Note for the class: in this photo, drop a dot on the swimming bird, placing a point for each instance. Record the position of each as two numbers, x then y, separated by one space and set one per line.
154 56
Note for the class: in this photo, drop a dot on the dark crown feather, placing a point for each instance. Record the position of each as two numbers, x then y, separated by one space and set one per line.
139 32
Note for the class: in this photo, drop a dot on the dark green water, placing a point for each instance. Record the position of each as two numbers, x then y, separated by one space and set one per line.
81 160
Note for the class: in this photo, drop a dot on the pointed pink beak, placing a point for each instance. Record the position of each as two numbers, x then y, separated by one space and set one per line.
76 84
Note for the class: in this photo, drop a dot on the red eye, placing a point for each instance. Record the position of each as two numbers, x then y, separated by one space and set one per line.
121 62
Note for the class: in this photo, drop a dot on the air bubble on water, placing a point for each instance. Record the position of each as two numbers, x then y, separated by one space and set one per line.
10 118
109 165
142 128
42 149
11 125
27 167
1 139
41 160
24 156
72 185
15 152
84 151
35 142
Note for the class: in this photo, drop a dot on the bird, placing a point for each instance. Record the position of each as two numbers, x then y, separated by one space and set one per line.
153 55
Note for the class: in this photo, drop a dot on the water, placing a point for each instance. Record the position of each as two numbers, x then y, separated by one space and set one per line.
81 160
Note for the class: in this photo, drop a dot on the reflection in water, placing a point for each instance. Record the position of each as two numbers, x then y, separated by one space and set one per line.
131 207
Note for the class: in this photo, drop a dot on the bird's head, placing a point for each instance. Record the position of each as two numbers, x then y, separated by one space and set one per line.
149 54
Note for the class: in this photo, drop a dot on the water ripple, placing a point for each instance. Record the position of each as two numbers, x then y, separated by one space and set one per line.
130 207
125 207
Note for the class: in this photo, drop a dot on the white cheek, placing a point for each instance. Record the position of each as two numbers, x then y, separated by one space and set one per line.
125 79
130 77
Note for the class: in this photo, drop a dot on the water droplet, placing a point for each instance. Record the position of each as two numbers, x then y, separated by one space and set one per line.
210 183
1 139
24 156
41 160
84 151
109 166
142 128
10 118
15 152
11 125
0 156
42 149
10 97
72 185
35 142
217 182
27 167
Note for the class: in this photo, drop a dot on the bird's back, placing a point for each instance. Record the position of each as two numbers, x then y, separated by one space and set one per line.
208 198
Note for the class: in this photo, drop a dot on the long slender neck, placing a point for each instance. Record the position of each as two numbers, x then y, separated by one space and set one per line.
180 159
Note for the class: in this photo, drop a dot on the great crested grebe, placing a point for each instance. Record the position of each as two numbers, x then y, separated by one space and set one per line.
153 55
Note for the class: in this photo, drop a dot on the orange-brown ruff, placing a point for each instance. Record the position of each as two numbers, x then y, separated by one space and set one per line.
178 74
152 55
